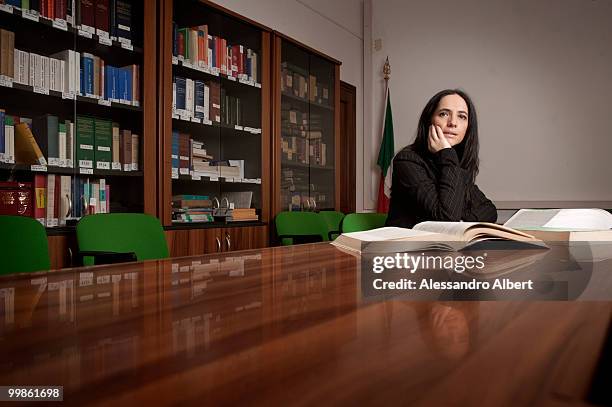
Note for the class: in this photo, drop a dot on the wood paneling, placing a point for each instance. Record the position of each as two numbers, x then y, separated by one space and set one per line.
60 249
192 242
347 147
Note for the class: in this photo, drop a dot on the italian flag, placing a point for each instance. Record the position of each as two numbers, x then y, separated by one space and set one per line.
385 158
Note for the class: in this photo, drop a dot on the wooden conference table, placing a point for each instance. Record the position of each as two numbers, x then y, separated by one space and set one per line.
280 326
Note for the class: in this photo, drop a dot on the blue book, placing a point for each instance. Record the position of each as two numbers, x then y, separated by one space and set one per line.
181 85
128 83
2 139
14 3
174 39
124 19
108 85
199 99
82 74
114 85
175 149
213 46
248 67
119 78
88 64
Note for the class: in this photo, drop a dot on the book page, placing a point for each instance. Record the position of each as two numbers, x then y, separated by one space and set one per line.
585 219
561 219
385 234
531 218
448 228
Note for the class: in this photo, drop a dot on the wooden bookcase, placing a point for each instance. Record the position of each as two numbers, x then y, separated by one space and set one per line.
225 136
130 191
306 117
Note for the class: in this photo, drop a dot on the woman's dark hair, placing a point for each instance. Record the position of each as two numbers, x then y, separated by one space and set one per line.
467 150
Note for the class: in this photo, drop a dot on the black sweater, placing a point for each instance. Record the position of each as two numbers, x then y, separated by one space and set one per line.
434 187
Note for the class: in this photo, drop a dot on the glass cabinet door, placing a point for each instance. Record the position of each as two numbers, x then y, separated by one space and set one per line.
216 115
307 130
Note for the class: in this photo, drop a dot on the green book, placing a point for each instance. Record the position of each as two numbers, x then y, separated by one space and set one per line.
25 4
185 32
103 156
85 141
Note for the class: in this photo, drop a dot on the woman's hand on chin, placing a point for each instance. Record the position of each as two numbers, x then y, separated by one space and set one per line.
436 139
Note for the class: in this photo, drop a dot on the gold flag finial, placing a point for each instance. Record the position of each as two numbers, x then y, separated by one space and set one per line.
387 69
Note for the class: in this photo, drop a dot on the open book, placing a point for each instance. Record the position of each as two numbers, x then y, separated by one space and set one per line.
451 236
561 219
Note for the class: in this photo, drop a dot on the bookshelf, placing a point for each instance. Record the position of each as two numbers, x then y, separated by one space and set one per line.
306 100
84 166
215 127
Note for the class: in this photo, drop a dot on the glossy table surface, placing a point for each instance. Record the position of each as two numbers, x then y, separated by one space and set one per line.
284 325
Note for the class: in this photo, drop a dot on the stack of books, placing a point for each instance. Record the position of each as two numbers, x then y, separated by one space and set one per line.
192 208
242 215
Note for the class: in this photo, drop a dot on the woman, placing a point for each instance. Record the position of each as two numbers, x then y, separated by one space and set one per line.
433 179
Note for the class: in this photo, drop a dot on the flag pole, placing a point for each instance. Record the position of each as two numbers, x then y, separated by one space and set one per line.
387 147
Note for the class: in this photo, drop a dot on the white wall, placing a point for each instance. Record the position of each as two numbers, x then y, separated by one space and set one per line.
539 73
332 27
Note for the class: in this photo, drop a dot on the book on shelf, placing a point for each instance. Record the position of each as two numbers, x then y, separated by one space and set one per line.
299 83
7 49
27 150
197 47
449 236
57 198
70 73
192 208
16 198
47 140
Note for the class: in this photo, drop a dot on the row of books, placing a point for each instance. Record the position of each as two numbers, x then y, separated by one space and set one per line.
108 18
197 46
69 72
192 208
207 101
53 199
189 156
47 140
301 124
298 83
304 151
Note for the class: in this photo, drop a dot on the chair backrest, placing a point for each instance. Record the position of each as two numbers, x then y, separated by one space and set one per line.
301 226
23 245
356 222
122 233
332 220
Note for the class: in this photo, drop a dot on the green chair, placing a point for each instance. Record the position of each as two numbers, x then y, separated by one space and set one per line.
23 245
116 237
356 222
300 227
333 219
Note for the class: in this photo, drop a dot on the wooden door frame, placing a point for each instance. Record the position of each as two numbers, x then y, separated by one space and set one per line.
347 167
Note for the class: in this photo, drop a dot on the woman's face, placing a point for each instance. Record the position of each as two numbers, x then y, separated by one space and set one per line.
452 117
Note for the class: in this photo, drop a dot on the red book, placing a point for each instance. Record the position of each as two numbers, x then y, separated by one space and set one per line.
237 58
40 196
181 44
51 9
88 13
61 9
43 7
102 15
16 198
217 52
58 193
